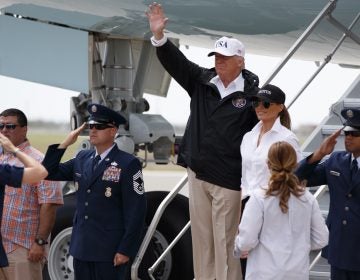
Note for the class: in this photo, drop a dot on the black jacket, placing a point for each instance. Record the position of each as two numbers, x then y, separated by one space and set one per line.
215 128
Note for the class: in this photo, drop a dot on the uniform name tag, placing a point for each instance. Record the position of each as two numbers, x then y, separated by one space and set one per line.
332 172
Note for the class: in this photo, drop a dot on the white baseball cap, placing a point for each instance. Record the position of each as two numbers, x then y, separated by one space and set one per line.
228 47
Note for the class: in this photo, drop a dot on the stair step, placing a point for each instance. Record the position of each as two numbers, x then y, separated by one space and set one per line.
351 102
330 129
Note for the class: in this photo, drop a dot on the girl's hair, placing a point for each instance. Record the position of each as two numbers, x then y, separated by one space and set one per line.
282 161
285 119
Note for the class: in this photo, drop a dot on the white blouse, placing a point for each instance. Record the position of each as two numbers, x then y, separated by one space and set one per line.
255 172
279 244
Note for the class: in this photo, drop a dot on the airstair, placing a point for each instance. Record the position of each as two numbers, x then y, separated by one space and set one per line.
319 268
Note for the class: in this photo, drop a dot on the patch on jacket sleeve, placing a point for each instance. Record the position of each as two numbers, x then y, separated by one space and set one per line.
138 183
238 102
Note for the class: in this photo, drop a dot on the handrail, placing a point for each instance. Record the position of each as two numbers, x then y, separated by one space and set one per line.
316 259
163 255
330 6
151 229
319 192
327 59
347 31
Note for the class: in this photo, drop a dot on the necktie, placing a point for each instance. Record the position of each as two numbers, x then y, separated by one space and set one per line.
354 168
95 162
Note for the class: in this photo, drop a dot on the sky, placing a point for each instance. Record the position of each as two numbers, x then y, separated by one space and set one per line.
40 102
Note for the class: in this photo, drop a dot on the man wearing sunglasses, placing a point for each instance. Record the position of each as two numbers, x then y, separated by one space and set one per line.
341 173
29 211
111 203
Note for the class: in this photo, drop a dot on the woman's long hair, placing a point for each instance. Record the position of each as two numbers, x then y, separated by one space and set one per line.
285 119
282 161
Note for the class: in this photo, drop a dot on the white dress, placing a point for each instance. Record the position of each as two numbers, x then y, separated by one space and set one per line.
279 244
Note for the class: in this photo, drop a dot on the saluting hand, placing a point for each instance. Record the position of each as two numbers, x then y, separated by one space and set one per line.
326 147
72 137
157 20
120 259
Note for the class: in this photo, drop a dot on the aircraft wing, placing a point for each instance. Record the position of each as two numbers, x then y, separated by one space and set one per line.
32 28
266 27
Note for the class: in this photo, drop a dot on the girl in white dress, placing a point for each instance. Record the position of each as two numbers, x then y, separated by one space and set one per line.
281 223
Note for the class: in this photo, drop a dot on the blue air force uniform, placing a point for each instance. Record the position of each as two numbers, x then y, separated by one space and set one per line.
111 203
9 175
343 251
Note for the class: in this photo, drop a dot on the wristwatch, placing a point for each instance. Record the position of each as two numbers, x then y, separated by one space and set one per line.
15 152
40 241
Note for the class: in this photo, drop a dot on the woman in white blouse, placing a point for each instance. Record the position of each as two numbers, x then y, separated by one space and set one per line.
281 223
274 125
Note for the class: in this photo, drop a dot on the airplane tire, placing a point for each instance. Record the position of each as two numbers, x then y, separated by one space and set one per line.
178 264
59 264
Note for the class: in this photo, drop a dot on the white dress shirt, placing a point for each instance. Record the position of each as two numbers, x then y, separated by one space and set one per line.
235 85
158 43
255 172
104 154
279 243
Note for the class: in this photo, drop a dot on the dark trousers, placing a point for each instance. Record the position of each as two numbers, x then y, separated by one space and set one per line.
243 261
341 274
98 270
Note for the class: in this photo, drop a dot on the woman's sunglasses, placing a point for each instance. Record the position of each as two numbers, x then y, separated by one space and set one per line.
266 104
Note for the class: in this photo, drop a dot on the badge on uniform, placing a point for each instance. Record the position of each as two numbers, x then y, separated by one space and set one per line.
112 173
138 183
108 192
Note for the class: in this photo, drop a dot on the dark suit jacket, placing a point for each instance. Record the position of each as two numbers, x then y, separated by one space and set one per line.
344 212
111 203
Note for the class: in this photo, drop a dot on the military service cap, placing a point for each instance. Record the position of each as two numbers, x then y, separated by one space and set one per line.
102 114
352 117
